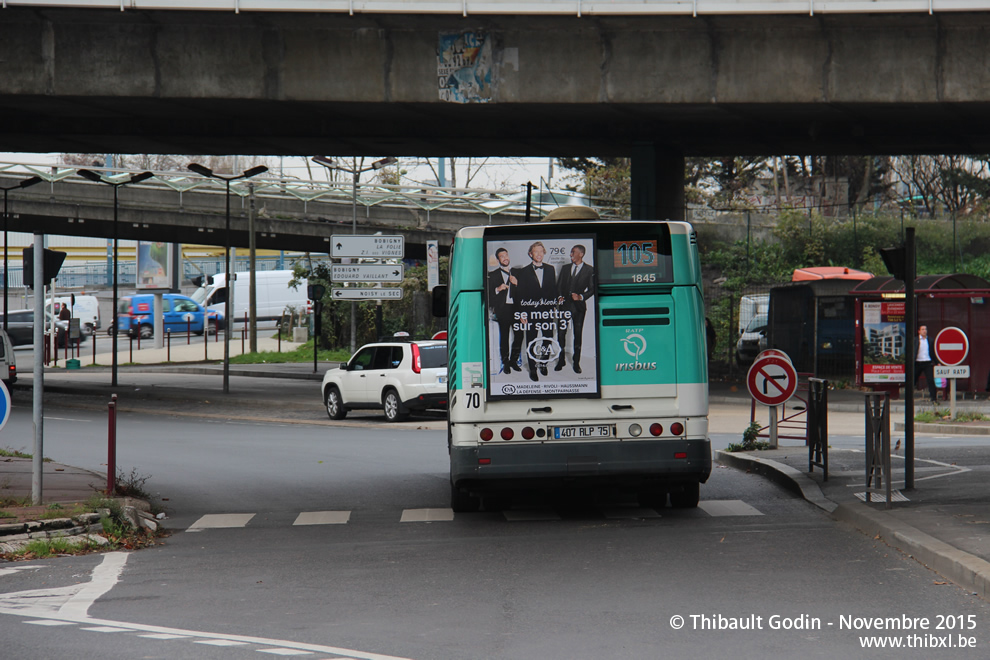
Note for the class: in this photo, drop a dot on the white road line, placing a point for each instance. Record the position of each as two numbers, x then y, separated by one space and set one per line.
66 605
219 642
427 515
221 521
720 508
323 518
49 622
105 576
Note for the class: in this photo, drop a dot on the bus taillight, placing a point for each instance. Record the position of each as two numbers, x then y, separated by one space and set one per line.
656 429
677 428
680 454
507 433
528 433
486 434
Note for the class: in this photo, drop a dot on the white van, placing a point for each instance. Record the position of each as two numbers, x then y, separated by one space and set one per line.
273 293
85 308
752 306
8 363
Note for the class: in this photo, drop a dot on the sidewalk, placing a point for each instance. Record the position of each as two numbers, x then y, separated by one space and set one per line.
944 522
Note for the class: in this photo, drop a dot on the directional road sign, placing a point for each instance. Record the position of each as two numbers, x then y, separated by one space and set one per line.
394 293
951 346
772 380
371 247
367 272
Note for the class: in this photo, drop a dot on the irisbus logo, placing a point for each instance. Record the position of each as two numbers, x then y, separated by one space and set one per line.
635 345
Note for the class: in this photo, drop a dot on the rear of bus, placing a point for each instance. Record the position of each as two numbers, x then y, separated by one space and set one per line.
633 415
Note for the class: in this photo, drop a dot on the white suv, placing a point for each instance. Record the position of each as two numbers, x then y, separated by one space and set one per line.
398 376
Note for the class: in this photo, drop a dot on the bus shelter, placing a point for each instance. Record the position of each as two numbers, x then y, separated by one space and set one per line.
956 300
814 322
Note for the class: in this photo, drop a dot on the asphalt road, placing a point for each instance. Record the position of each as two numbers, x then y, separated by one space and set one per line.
554 577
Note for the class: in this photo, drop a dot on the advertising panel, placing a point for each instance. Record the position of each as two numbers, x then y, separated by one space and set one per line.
542 317
153 263
884 341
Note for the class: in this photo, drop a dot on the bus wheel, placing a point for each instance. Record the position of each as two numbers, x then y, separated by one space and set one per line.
687 498
462 502
652 498
394 410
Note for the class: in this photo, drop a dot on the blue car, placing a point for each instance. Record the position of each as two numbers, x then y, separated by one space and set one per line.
181 313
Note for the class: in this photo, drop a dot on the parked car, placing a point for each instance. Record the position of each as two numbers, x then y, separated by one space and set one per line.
20 328
752 340
134 315
398 376
8 363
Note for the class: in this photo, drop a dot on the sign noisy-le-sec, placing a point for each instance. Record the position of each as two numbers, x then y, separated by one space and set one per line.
368 293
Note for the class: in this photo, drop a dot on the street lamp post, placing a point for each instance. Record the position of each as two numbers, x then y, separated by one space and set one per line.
355 173
202 170
22 184
115 182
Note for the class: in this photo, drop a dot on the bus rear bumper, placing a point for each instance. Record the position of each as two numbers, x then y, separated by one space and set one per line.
638 464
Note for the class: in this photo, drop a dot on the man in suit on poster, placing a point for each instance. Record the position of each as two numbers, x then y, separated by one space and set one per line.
537 293
502 295
576 284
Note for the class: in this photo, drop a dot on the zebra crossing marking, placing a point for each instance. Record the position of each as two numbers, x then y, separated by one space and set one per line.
721 508
323 518
221 521
427 515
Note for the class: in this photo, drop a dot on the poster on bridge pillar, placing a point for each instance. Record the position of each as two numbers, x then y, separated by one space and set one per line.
884 342
154 261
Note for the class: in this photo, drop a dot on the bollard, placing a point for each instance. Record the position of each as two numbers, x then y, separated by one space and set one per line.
279 327
817 425
189 329
131 344
168 346
112 447
94 347
243 333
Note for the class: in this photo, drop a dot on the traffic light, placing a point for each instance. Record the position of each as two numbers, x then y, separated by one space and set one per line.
315 292
894 258
52 264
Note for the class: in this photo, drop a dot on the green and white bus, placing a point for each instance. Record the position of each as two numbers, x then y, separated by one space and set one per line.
576 357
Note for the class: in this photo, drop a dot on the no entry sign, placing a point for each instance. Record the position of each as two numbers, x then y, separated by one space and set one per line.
951 346
772 380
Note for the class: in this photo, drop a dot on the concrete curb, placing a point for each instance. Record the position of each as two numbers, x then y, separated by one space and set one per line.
968 571
784 475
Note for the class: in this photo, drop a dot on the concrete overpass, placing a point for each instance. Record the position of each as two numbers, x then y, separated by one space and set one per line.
653 87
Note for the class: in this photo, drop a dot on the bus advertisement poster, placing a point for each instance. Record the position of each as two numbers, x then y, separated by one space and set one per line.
542 317
883 342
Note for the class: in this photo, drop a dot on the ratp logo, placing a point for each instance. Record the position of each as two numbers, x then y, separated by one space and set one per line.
635 345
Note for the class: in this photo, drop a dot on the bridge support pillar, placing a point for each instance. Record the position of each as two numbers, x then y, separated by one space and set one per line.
657 175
